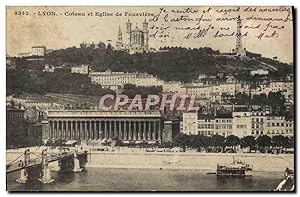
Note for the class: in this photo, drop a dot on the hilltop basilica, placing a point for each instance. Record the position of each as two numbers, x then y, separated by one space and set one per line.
136 39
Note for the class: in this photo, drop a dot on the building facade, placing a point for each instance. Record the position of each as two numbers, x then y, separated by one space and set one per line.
112 80
82 69
117 80
171 130
144 79
238 123
190 125
38 51
88 124
15 128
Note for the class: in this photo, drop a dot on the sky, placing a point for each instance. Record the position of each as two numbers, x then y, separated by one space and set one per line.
27 26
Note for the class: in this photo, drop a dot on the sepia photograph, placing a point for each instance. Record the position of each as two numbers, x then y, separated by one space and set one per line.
150 98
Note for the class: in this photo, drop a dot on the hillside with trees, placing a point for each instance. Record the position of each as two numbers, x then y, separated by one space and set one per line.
169 63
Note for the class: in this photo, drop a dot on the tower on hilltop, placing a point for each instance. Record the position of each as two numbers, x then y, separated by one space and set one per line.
239 50
119 44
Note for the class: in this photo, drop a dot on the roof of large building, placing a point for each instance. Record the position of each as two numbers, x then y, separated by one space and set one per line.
103 114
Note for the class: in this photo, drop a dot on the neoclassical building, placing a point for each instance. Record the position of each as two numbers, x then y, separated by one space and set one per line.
92 124
137 39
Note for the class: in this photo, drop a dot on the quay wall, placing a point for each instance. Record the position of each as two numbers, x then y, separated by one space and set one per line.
203 161
182 160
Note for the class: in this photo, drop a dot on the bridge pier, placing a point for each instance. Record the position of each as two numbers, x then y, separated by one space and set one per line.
55 165
46 177
76 167
23 177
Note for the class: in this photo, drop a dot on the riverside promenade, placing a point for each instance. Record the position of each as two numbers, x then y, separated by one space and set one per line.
135 158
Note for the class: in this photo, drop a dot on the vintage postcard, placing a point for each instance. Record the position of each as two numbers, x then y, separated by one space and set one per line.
157 98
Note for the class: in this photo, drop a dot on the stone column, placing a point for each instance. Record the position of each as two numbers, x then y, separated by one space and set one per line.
139 130
134 130
50 129
86 130
95 133
57 134
115 131
91 131
149 130
159 131
144 131
129 131
67 130
75 130
54 129
57 129
120 130
81 130
100 132
154 131
125 136
105 130
63 130
76 135
110 130
71 130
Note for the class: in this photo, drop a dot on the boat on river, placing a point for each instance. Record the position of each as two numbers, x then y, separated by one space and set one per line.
235 169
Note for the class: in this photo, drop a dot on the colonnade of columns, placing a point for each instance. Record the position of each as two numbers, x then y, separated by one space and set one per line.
83 129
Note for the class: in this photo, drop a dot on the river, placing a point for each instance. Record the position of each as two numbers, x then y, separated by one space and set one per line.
105 179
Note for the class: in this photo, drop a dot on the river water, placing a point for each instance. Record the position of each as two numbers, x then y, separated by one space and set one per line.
101 179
